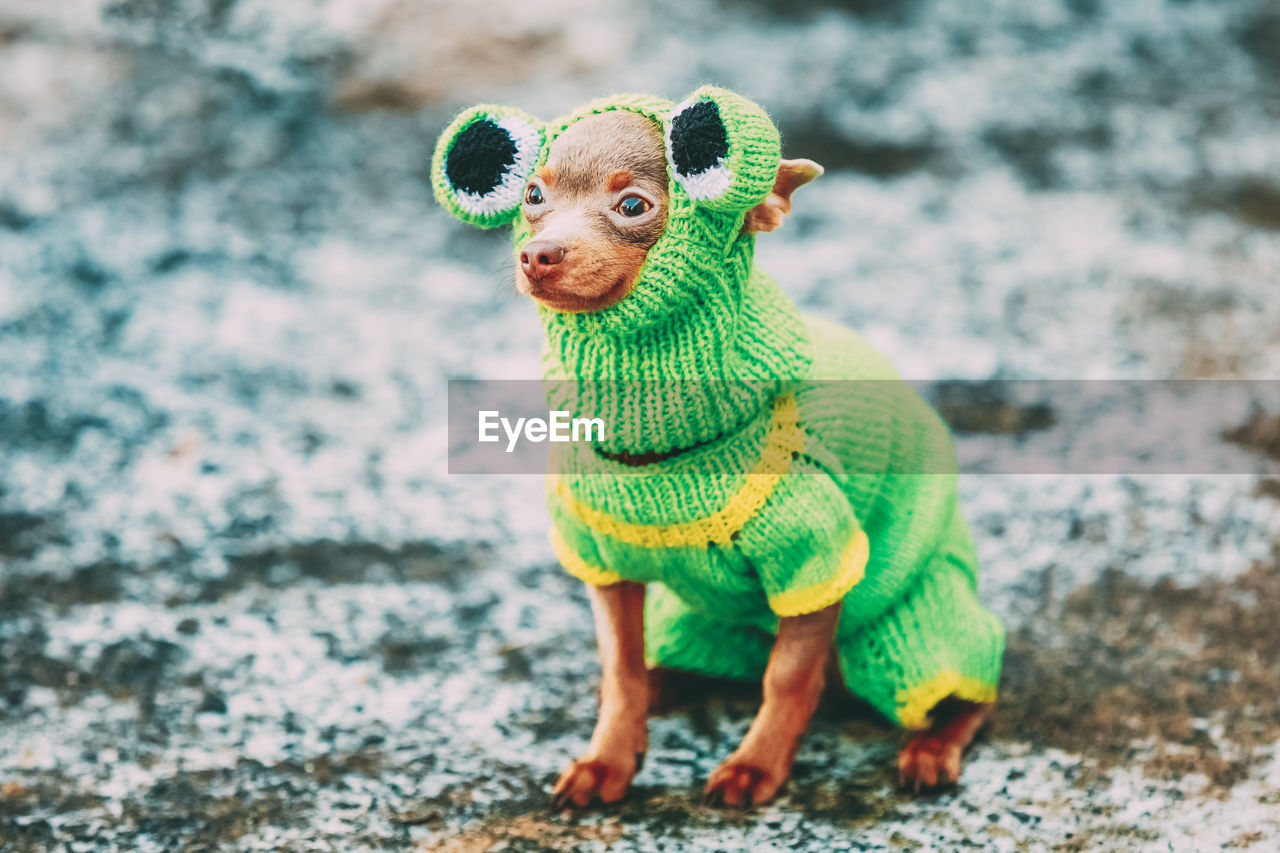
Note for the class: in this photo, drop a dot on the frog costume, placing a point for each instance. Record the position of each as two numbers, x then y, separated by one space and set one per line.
794 468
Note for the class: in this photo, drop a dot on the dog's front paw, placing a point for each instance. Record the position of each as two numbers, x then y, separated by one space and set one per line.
590 779
739 783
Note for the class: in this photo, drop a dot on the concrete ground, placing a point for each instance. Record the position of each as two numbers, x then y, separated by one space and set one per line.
244 607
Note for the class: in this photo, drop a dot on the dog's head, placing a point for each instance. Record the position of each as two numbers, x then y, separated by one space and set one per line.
627 207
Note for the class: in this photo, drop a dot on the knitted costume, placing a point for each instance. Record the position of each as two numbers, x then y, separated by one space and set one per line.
782 493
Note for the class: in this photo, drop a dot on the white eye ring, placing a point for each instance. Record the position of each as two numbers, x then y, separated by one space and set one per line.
707 184
509 193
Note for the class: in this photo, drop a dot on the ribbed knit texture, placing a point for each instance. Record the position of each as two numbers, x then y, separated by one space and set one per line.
790 493
839 491
703 335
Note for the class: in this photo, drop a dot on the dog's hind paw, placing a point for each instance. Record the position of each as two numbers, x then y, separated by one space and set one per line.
933 757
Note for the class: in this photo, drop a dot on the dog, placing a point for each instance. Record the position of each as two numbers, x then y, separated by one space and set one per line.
763 517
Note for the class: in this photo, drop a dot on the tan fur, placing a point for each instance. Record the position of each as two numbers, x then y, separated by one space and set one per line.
621 737
767 215
589 169
932 757
619 181
793 683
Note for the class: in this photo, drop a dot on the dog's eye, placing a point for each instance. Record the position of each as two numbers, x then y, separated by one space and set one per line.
533 195
632 205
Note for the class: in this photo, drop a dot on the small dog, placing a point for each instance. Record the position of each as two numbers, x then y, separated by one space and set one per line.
635 222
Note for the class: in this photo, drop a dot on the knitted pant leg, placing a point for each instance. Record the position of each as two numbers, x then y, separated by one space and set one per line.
938 641
678 637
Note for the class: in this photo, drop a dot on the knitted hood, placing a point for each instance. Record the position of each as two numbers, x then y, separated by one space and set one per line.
702 343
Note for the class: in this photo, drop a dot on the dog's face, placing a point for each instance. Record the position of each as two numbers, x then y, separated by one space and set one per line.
594 209
592 196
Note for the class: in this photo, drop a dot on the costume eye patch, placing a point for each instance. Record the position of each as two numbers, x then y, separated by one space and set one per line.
698 148
480 157
481 169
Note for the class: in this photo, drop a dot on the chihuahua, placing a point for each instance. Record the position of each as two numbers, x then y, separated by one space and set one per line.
588 217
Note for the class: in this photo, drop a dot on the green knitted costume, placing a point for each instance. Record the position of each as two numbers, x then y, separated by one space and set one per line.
783 493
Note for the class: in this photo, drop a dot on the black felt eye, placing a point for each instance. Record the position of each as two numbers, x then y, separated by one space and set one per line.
480 157
533 195
722 150
633 205
698 150
698 139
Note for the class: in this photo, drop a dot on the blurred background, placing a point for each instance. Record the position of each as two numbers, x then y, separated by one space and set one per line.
242 604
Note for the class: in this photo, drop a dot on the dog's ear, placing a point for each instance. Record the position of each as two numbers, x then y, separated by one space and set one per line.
767 215
723 150
482 162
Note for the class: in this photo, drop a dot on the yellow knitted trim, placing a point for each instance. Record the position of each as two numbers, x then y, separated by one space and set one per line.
852 568
578 567
785 440
915 703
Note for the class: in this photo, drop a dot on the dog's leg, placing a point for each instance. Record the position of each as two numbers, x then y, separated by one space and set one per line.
621 737
932 757
793 685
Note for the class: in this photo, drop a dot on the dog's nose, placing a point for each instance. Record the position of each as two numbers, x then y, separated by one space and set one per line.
539 257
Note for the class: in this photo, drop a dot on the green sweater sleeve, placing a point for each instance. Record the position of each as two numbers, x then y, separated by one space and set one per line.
807 546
